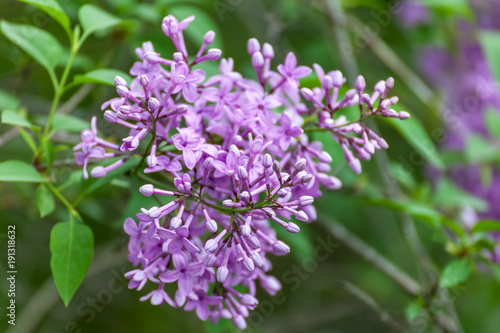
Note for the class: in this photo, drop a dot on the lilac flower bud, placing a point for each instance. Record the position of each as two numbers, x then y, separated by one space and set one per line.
306 179
257 260
178 57
306 200
209 37
249 300
98 172
385 104
147 190
253 241
154 212
208 163
122 91
360 83
307 93
256 146
144 80
327 82
210 260
175 222
366 99
355 165
337 79
211 225
301 216
267 51
125 109
253 46
300 164
242 173
404 115
357 128
153 104
151 160
389 83
152 58
267 161
213 54
211 245
222 273
394 100
248 264
257 60
239 321
245 230
181 108
350 94
292 227
119 81
280 248
329 123
244 196
110 116
324 157
380 87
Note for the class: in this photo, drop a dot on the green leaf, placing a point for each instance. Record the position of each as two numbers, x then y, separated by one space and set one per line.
44 200
492 121
415 134
490 41
449 195
28 139
55 10
93 19
413 310
39 44
8 101
479 150
103 76
71 248
48 153
460 7
223 326
68 123
17 171
486 226
456 272
13 118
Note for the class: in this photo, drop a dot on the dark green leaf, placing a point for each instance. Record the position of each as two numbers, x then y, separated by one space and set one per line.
13 118
103 76
486 226
44 200
52 8
93 19
415 134
39 44
17 171
455 273
71 248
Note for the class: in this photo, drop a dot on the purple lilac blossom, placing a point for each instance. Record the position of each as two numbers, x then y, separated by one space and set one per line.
241 164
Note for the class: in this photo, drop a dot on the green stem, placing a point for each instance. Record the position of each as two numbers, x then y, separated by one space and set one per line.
65 201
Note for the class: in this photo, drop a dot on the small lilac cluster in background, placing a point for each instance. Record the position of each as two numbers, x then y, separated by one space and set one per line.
237 153
471 89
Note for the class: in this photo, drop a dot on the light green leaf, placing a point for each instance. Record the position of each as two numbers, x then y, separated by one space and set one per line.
456 272
28 139
44 200
460 7
490 41
479 150
93 19
13 118
68 123
486 226
492 121
55 10
17 171
8 101
415 134
104 76
39 44
413 310
71 248
449 195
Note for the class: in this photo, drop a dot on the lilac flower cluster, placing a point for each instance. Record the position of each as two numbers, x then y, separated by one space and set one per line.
237 153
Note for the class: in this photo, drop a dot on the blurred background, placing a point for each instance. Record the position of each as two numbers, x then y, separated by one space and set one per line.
445 161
